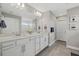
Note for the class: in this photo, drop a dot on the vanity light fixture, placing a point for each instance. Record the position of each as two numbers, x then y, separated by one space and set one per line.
37 13
18 4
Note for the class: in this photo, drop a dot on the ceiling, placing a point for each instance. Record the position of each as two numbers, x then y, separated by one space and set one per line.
58 9
15 9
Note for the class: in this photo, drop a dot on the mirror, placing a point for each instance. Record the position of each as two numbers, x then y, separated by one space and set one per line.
26 23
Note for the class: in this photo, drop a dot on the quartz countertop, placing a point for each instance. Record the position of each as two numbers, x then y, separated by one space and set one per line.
14 37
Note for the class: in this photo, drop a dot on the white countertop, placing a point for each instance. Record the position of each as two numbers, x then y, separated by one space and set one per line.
14 37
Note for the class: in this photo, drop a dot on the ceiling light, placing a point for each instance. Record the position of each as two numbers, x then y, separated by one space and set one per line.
21 4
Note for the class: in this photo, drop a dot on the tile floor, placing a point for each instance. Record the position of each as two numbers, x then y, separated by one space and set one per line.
57 49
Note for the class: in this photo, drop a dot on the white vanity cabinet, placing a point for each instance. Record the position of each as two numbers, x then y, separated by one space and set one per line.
15 48
27 46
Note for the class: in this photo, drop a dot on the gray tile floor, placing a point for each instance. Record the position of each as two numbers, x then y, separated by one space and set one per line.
57 49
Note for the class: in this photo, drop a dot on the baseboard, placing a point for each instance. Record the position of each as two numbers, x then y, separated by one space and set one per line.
61 39
75 48
52 43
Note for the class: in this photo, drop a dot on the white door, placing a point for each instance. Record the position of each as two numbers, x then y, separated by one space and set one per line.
61 27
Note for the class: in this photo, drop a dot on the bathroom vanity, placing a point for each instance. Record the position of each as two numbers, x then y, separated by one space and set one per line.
24 45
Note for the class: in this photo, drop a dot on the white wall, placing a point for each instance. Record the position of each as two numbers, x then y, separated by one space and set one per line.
73 35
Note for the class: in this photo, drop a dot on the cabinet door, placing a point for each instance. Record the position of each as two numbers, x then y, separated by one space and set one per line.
22 44
37 43
0 50
52 38
44 41
30 47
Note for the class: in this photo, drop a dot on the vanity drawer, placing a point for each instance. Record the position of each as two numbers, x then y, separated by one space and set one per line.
8 45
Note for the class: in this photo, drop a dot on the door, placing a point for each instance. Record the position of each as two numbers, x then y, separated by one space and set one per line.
61 27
